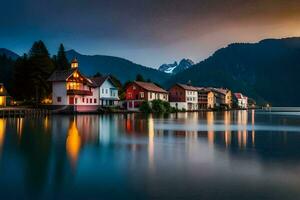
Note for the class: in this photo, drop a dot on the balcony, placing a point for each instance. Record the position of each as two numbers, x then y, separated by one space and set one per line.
79 92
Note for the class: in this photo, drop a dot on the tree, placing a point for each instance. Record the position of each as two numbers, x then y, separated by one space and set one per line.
31 74
61 59
139 77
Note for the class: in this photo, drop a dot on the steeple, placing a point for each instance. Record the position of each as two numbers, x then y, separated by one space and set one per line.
74 63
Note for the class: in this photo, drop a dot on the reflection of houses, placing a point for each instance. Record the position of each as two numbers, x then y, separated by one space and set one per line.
183 97
71 88
137 92
3 95
241 100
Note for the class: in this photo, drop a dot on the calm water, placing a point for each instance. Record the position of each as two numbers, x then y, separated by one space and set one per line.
225 155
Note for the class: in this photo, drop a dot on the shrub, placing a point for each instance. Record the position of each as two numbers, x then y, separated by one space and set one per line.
145 107
158 106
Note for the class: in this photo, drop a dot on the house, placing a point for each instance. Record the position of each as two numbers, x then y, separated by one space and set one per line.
226 97
183 96
3 96
73 90
210 98
241 100
137 92
107 91
205 98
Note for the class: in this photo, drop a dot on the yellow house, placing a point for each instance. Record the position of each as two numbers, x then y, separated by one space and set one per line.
228 98
211 100
3 95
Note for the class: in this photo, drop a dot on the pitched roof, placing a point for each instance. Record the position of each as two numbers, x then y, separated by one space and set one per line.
240 96
61 75
187 87
221 90
150 87
98 81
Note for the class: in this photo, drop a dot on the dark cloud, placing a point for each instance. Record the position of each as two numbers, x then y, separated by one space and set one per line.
164 28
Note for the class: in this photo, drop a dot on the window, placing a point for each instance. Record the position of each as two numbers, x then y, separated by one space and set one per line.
95 100
133 87
75 100
58 99
106 91
142 94
83 100
91 100
102 90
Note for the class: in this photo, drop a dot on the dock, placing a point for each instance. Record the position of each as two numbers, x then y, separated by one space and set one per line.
15 112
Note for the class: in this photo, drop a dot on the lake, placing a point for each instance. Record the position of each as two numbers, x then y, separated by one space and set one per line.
205 155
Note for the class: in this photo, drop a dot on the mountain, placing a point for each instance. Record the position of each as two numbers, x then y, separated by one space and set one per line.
9 53
267 71
176 67
121 68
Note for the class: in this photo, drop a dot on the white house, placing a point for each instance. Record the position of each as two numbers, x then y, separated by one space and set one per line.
71 89
242 101
183 97
107 91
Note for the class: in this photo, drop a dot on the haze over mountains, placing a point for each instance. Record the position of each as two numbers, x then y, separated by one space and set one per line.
268 70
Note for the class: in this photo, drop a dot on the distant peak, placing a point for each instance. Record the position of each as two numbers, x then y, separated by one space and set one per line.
176 67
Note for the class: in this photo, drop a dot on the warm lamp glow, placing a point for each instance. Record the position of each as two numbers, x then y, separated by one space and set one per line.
73 143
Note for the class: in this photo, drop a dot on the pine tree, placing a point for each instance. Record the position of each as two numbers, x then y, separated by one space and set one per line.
61 59
31 74
139 77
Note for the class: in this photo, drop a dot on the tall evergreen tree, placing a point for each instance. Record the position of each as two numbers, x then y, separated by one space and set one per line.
139 77
61 59
31 74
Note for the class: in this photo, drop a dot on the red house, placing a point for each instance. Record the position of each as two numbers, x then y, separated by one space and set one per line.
137 92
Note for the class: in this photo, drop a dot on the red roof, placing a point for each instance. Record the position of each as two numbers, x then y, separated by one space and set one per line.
240 96
187 87
150 87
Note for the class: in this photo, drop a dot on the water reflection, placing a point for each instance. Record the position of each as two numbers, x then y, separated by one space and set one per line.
2 133
73 142
89 156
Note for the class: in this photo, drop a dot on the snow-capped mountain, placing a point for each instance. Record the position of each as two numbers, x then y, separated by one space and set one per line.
176 67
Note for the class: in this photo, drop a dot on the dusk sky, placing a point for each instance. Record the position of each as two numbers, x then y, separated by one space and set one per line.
148 32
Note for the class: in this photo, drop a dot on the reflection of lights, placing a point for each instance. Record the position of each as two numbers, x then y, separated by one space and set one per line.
242 128
253 123
73 142
210 125
20 124
2 132
46 122
227 128
151 142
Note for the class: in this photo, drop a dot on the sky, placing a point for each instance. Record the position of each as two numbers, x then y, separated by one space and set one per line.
147 32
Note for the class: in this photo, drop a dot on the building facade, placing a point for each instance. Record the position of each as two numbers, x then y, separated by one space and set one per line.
137 92
183 96
3 96
107 91
70 88
241 100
